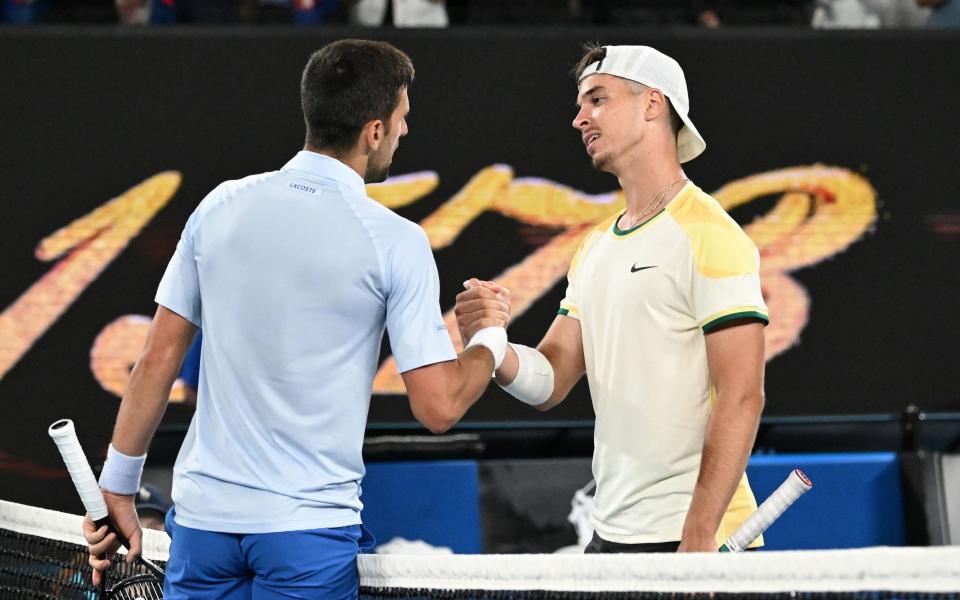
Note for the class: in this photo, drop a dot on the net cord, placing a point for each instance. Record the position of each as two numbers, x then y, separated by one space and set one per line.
934 569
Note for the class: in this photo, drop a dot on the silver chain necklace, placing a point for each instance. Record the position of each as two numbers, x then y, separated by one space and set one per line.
654 204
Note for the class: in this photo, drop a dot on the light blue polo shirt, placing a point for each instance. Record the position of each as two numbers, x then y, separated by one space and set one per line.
293 276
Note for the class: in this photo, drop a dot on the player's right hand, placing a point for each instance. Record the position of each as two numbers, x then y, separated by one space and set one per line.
102 543
481 304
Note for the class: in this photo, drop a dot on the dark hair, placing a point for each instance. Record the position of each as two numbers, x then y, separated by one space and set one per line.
593 52
347 84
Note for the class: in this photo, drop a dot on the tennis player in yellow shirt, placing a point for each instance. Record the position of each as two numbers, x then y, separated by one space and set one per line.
664 314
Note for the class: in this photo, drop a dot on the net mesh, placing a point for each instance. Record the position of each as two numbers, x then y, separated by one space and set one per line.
42 555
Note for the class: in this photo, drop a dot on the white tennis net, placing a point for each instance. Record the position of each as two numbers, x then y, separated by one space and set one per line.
42 555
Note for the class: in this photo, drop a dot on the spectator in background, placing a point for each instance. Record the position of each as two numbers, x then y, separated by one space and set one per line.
152 506
716 13
298 12
133 12
869 14
405 13
169 12
945 13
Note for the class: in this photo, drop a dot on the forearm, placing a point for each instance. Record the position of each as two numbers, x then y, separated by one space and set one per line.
562 348
473 368
441 393
144 403
729 438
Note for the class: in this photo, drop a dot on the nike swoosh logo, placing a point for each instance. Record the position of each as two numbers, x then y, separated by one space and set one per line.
635 268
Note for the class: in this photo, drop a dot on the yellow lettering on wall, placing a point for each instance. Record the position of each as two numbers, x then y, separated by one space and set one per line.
446 223
822 210
93 242
402 190
115 351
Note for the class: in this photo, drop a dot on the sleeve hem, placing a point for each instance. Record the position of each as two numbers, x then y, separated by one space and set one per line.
183 313
746 314
424 361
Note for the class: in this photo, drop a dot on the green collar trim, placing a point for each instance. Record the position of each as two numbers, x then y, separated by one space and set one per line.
622 232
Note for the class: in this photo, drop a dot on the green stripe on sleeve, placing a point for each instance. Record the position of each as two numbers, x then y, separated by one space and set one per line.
750 314
563 312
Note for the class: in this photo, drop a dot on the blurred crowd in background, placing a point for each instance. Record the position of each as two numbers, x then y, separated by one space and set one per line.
864 14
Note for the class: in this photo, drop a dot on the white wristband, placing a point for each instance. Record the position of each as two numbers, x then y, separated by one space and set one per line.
121 473
493 339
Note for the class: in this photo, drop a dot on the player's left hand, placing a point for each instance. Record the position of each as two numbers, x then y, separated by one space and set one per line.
103 544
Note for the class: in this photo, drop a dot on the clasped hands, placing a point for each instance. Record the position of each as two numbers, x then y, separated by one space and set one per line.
481 304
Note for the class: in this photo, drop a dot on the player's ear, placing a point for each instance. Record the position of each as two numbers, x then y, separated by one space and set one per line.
656 105
372 134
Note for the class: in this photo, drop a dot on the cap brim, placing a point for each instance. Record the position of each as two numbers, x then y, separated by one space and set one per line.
690 143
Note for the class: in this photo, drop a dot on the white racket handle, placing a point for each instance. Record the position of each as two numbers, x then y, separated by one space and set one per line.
768 512
65 436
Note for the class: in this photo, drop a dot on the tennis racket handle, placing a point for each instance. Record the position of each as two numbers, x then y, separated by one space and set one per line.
65 436
150 565
780 500
116 531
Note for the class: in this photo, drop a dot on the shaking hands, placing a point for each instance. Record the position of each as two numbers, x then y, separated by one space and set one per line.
481 304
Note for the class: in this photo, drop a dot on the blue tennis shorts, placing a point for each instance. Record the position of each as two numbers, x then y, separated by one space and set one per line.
314 563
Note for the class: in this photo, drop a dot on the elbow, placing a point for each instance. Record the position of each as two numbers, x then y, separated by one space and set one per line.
742 402
159 360
438 426
557 396
154 365
438 422
435 413
753 403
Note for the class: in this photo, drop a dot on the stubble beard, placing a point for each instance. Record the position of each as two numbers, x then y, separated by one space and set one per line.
601 161
378 172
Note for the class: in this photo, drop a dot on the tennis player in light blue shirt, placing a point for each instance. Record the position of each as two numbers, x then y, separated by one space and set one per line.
293 276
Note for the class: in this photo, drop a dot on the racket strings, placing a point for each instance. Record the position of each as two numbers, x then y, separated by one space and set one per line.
131 581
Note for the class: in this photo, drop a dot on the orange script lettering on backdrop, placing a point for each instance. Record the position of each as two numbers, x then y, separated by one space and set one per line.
820 211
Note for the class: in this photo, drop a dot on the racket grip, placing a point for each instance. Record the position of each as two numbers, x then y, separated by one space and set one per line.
65 436
768 512
114 529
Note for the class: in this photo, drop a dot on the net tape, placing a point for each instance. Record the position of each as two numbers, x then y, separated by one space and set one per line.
873 569
884 572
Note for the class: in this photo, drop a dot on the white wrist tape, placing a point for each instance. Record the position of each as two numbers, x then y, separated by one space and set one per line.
121 473
534 381
494 339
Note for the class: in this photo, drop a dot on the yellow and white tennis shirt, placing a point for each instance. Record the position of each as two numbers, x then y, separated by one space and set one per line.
645 297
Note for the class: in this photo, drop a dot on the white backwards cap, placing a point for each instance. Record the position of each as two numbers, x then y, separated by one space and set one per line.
653 68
